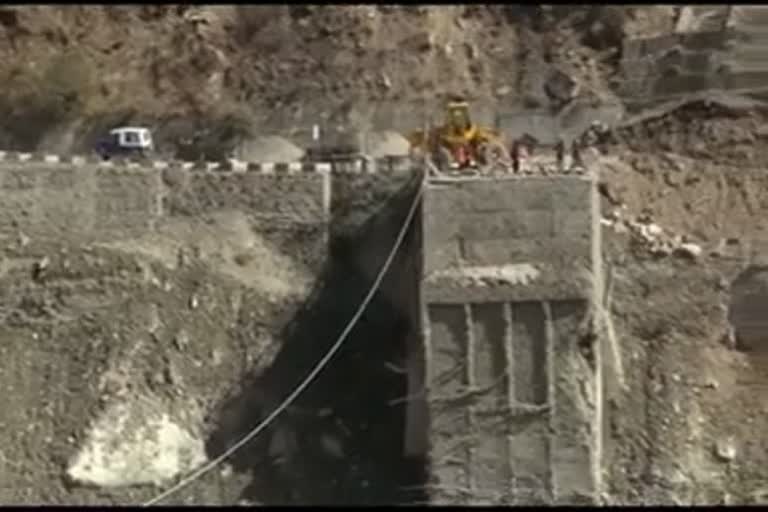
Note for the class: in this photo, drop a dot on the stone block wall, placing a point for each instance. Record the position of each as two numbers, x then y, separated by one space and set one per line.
84 202
729 55
297 206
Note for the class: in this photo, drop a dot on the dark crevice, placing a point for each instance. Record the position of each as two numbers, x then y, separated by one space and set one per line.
341 442
749 295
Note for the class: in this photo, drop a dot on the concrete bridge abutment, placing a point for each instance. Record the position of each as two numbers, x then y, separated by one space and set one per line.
511 275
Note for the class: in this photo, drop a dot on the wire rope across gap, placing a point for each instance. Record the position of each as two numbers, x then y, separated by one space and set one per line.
321 364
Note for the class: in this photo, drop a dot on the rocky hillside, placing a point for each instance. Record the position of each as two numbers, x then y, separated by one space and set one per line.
225 71
684 213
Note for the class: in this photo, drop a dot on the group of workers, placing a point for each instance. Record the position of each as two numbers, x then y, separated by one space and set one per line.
464 146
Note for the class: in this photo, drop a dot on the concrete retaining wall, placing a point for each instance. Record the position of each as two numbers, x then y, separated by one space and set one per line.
95 203
290 204
86 203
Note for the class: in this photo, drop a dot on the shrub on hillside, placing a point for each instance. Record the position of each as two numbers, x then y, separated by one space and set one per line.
34 102
216 138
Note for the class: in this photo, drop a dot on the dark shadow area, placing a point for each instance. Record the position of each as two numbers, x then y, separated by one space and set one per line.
341 442
746 311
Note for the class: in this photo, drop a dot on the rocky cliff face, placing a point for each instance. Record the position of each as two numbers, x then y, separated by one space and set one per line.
217 71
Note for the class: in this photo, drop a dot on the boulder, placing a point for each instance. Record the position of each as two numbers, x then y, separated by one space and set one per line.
136 442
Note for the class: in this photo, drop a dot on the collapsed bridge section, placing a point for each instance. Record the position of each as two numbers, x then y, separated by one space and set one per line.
511 269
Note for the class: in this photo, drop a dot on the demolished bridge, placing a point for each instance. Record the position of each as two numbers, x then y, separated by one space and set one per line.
500 278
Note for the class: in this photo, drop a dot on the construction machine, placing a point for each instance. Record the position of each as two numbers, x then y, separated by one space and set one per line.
459 144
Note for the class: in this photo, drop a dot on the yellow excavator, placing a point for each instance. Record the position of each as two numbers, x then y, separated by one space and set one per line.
459 144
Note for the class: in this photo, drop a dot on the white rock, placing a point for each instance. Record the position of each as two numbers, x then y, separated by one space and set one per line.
654 229
386 81
660 249
135 443
725 450
43 263
181 340
690 250
606 222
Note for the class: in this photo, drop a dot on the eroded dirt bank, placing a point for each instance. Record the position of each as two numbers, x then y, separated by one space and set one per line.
686 428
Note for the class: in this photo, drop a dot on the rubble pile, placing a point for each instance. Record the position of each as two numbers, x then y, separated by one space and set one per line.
545 165
488 276
651 237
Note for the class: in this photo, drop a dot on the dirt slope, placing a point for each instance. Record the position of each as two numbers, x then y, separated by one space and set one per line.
96 326
687 427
